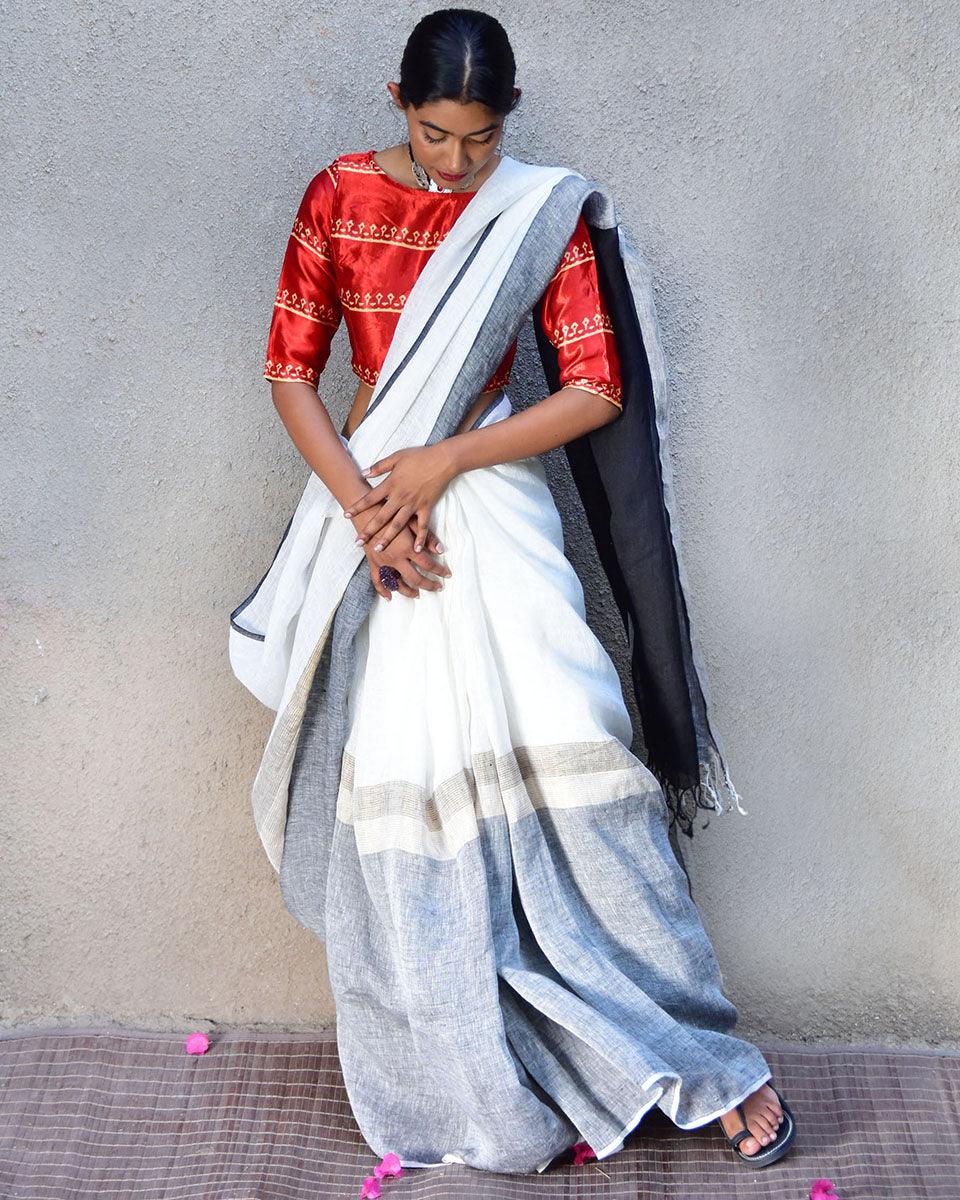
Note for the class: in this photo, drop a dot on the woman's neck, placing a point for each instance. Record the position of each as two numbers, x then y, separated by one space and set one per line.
395 161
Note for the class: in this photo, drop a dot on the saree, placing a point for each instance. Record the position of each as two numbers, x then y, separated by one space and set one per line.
448 793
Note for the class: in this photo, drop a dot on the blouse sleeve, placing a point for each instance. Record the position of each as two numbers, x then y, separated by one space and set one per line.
575 319
306 312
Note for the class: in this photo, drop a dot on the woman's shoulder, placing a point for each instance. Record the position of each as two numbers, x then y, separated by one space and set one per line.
356 160
332 172
337 183
339 174
346 166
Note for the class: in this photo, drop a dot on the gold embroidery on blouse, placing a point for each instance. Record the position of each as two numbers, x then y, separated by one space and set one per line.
358 168
393 235
365 373
372 301
575 256
600 387
309 239
576 331
283 371
323 314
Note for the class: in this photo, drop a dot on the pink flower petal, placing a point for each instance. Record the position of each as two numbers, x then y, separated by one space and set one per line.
370 1188
388 1165
197 1043
582 1152
822 1189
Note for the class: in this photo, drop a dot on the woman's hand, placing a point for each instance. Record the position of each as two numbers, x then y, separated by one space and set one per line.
416 477
408 563
432 545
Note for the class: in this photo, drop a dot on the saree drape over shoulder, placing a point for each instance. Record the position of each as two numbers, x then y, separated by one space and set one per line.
448 791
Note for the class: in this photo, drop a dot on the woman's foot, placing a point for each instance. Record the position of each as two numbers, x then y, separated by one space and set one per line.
763 1115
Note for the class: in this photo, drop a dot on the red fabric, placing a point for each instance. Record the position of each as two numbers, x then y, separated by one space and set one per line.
358 243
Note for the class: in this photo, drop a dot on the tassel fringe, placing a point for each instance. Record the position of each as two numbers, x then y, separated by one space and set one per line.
714 793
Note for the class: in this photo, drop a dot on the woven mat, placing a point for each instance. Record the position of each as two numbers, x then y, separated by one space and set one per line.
110 1114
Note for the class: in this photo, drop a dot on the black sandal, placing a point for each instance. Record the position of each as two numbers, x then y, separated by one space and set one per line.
776 1149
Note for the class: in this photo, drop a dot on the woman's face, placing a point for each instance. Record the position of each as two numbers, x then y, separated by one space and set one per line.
452 141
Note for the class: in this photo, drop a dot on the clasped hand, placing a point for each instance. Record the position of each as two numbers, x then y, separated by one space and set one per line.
397 531
415 480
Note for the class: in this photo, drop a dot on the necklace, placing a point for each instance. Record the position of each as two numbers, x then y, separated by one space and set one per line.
421 176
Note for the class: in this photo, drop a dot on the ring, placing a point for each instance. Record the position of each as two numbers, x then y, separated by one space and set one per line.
390 578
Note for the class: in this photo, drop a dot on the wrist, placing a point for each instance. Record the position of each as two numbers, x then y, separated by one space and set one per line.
450 449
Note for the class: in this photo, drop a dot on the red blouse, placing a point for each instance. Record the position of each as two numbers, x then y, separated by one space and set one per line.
360 239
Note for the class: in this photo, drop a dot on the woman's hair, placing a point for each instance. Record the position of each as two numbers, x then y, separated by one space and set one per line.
458 54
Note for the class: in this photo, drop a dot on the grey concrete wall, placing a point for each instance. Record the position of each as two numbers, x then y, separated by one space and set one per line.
791 172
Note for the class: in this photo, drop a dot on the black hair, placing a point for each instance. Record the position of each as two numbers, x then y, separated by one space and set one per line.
458 54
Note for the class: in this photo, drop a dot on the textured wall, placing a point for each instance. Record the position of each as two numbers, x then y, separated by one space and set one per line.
790 171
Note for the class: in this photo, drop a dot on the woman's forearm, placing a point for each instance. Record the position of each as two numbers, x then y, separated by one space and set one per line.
312 432
554 421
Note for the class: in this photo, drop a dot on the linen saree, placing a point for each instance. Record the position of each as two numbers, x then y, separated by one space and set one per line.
447 792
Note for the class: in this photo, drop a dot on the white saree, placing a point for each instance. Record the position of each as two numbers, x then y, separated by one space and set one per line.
449 795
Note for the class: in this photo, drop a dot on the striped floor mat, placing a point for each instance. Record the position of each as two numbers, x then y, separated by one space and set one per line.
116 1114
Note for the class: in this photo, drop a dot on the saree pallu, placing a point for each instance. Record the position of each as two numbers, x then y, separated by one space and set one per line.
515 959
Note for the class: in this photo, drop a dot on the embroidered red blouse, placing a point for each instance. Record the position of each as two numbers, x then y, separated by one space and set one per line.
360 239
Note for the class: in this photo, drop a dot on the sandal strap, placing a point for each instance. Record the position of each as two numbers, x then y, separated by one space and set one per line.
736 1138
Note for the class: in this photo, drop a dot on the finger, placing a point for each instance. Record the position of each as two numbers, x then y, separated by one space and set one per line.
377 521
404 589
374 496
409 576
430 543
427 562
409 579
404 586
421 528
432 547
423 579
392 528
380 467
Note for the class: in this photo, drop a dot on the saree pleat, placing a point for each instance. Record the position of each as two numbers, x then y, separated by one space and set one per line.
515 958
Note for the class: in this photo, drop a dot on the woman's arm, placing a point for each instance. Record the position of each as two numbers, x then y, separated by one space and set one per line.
310 428
556 420
418 475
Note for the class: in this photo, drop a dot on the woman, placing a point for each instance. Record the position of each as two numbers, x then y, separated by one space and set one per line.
448 793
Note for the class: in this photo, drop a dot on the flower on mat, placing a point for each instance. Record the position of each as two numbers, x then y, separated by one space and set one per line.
582 1153
388 1165
197 1043
822 1189
370 1188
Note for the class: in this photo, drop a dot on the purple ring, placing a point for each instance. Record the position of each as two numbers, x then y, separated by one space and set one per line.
390 578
